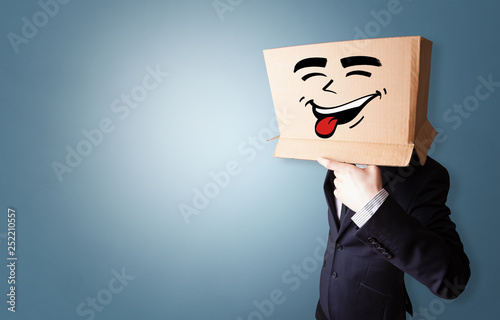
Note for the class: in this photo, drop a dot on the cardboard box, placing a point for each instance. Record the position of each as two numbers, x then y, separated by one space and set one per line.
362 101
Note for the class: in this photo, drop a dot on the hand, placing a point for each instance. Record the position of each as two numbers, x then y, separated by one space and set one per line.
354 186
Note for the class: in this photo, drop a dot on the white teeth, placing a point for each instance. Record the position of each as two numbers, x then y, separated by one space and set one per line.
353 104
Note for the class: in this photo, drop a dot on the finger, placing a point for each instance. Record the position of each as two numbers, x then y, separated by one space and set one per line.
327 163
332 164
337 182
336 194
372 169
376 174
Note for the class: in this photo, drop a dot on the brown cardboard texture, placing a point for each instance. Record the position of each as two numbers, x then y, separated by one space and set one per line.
361 101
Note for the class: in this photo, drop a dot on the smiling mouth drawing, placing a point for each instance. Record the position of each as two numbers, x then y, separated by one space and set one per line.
329 118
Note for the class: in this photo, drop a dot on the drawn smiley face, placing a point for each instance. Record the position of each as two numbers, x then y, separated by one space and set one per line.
329 117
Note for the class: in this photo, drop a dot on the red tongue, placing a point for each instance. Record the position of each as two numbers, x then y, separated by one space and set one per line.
326 126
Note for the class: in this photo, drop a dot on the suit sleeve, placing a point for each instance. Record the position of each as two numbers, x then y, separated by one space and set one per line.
423 241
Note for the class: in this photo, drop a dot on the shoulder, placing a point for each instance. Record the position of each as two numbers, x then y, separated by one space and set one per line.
406 182
433 170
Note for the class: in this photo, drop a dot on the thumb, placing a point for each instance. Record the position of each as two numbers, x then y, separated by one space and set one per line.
374 173
372 169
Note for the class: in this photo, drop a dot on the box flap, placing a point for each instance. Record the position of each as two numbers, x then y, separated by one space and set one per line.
365 153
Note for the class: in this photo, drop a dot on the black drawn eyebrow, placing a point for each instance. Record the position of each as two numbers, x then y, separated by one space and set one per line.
360 60
359 72
310 62
312 74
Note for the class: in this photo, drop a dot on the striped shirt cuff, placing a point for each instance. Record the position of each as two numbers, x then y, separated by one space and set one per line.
363 215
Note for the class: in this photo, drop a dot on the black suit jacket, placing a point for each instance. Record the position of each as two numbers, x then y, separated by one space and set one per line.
363 272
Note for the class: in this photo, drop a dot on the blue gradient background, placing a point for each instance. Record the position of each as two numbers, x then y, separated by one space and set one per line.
120 207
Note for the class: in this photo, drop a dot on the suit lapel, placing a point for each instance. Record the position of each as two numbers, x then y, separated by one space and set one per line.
330 199
346 220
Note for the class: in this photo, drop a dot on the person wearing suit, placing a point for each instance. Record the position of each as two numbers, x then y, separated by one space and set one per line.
394 221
